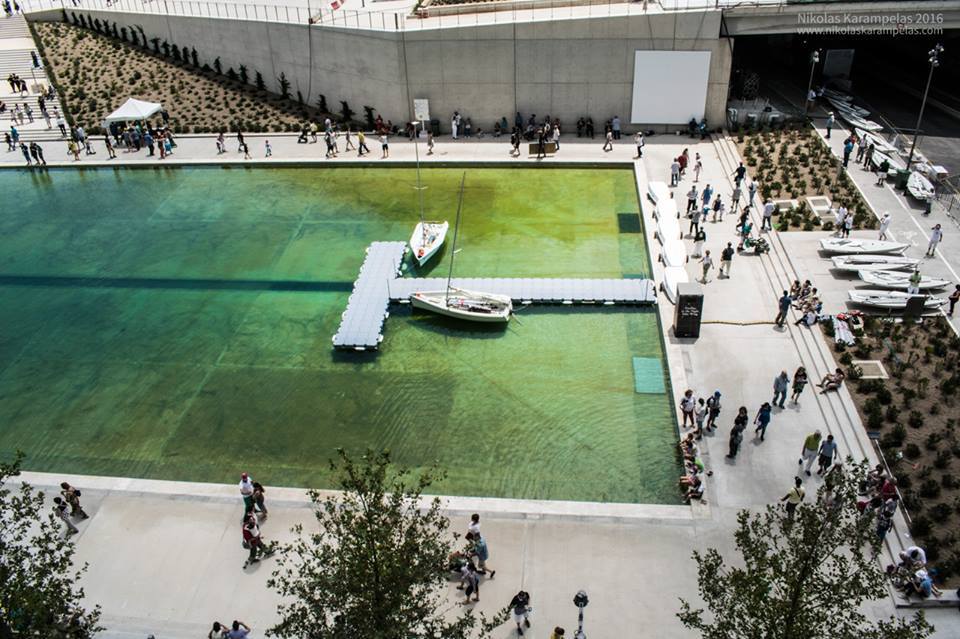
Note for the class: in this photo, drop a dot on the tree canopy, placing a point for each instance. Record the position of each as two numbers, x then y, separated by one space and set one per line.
39 591
376 565
806 579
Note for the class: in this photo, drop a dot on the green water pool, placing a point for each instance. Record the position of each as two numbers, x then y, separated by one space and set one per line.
175 323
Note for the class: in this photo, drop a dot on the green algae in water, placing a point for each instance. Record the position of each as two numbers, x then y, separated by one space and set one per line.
176 324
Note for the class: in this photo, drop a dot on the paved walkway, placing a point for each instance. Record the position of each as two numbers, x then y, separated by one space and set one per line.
165 557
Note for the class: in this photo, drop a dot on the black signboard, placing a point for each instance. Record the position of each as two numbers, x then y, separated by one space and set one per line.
689 309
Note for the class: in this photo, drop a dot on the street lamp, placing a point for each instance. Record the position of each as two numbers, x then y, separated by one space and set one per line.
814 59
580 600
934 61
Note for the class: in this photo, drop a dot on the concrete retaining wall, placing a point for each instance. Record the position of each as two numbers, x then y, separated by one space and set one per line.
564 68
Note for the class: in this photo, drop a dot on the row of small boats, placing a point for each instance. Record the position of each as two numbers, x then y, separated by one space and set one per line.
881 264
668 233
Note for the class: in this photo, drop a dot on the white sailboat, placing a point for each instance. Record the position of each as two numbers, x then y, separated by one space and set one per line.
859 262
891 299
900 280
845 246
462 304
427 236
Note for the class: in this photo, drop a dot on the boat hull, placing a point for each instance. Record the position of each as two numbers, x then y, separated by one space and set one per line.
465 305
672 277
859 262
855 247
899 280
425 245
892 300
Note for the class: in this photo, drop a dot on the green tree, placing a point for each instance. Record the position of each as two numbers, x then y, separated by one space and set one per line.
805 579
39 595
376 566
217 66
345 111
261 85
244 74
194 58
284 86
156 44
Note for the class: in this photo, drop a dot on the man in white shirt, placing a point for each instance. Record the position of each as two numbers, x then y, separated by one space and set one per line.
914 554
675 173
935 238
474 526
768 210
884 225
246 491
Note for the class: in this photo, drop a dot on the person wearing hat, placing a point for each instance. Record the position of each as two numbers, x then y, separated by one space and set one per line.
246 491
809 452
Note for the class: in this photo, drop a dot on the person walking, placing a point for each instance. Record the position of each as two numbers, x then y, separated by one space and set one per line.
268 150
675 172
738 174
694 221
73 150
762 420
784 304
935 236
72 496
698 239
827 453
384 146
111 152
706 263
847 150
954 297
780 385
615 126
556 137
608 141
861 148
479 549
884 225
239 141
726 260
221 145
768 209
811 444
362 144
520 608
26 154
472 580
697 168
541 144
60 510
259 496
638 140
736 433
800 380
348 142
794 497
830 122
706 195
735 198
692 199
430 142
246 492
246 151
751 193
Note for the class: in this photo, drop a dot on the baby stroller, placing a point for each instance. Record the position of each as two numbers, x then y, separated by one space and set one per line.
758 245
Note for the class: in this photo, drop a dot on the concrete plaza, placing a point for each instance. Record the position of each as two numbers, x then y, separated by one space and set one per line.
165 557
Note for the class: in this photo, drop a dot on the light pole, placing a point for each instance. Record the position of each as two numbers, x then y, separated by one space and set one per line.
934 61
814 59
580 600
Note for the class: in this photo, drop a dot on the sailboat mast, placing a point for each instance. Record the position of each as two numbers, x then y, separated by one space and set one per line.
456 231
416 150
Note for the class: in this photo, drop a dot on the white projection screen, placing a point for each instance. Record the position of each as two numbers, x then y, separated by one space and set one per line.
669 87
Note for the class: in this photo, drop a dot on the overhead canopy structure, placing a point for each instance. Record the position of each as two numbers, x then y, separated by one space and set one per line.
133 109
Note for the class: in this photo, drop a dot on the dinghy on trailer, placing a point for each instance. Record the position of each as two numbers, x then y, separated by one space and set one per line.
848 246
900 280
869 262
891 300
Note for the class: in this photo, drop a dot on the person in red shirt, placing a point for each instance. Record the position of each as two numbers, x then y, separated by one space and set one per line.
889 488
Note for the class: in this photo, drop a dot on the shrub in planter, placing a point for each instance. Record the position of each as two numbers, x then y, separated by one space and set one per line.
933 441
949 482
891 414
942 460
920 527
940 513
912 451
894 438
884 396
916 419
929 489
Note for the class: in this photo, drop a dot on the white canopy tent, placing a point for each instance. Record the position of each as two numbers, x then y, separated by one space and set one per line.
133 109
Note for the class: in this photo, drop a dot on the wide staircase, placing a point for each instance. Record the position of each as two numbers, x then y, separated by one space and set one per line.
16 43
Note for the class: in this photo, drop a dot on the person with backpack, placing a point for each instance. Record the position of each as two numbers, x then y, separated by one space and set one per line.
794 497
520 607
726 260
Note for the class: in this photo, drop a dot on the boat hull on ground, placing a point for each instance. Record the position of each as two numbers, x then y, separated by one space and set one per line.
466 305
900 280
425 245
674 253
892 300
858 262
672 276
842 246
